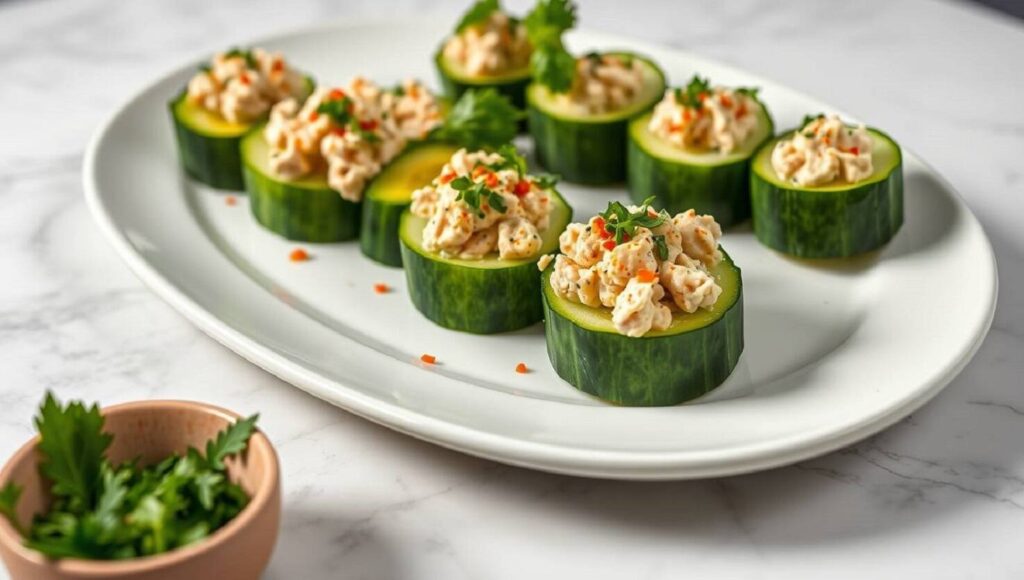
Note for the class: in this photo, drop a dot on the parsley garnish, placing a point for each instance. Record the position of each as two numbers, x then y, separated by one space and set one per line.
250 60
510 159
661 246
620 222
551 64
691 95
749 91
101 511
480 118
480 10
473 193
340 113
808 119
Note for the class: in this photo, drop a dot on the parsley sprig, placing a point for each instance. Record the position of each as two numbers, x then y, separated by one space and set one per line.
480 118
103 511
622 223
340 113
810 118
245 53
475 192
480 11
551 64
694 93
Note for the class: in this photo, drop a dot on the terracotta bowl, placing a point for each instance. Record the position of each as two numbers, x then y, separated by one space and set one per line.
152 430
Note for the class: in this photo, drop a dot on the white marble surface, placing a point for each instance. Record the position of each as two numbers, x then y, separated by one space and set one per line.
940 495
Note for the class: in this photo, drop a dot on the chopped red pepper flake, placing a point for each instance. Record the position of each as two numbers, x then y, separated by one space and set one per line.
368 125
230 200
645 275
725 100
702 97
491 181
336 94
244 79
313 116
278 65
339 131
609 245
479 170
447 177
429 359
741 111
298 255
855 150
522 369
522 188
381 288
687 115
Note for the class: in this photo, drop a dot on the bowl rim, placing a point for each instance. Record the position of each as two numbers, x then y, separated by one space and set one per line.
261 497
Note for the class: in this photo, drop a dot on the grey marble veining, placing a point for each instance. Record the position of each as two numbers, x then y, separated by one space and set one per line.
940 495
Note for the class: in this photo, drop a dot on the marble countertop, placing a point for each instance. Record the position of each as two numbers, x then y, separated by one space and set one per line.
940 495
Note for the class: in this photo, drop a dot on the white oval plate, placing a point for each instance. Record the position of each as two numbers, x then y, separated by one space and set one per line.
833 354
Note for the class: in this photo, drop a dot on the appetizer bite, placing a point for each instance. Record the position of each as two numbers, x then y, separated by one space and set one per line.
694 149
472 238
488 48
309 168
578 108
222 102
642 308
827 189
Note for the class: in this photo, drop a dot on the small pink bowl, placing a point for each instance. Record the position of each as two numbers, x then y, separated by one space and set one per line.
152 430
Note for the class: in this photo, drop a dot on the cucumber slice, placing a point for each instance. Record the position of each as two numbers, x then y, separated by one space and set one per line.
589 149
478 296
455 81
695 354
305 210
833 221
390 193
710 182
208 144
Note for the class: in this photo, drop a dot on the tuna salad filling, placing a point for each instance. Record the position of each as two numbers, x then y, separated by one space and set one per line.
482 203
706 118
640 263
492 46
350 132
603 84
241 86
824 152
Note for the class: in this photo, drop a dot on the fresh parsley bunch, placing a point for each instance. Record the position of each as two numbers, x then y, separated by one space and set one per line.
480 118
102 511
694 93
551 64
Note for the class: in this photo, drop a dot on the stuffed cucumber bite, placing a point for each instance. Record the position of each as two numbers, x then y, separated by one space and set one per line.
472 238
827 189
309 169
488 48
222 102
693 149
643 308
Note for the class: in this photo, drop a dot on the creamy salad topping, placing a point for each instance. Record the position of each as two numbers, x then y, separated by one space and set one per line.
706 118
242 86
350 132
641 264
603 83
483 203
823 152
493 46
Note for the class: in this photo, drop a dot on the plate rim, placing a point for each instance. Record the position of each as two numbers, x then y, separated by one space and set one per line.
612 464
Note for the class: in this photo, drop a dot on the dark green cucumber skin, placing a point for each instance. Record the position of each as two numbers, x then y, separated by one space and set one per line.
214 161
474 300
646 371
301 214
378 237
586 153
720 190
827 224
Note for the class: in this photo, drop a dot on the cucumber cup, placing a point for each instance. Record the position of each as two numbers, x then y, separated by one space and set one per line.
831 221
694 355
455 81
588 148
679 179
478 296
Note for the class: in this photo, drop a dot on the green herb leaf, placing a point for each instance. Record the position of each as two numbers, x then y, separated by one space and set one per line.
510 159
9 496
692 95
72 443
338 110
480 11
661 246
808 119
621 222
230 441
495 200
480 118
551 64
553 67
546 180
749 91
